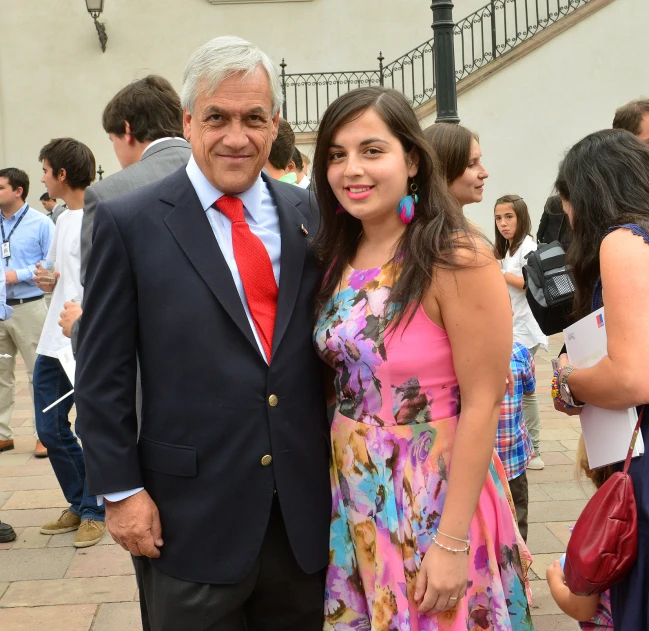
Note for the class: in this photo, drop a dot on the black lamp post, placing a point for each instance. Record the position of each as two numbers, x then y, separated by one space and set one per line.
95 8
444 61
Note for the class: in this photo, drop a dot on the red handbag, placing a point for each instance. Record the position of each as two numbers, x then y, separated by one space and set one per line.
604 542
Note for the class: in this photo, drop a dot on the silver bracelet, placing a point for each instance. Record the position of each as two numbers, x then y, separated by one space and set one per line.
453 550
439 532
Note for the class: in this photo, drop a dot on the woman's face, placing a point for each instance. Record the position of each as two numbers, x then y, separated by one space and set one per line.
368 170
468 188
506 220
567 208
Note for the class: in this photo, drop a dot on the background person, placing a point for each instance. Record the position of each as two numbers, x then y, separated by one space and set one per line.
144 123
593 612
513 442
634 117
512 245
281 154
68 169
604 186
460 156
298 166
51 206
554 225
227 511
416 483
7 533
27 234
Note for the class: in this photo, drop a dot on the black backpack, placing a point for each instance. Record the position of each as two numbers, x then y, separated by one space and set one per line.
549 287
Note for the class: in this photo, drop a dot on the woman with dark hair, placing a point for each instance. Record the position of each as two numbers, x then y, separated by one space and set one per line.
460 156
604 186
412 316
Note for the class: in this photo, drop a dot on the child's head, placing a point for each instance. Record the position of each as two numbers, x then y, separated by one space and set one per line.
67 164
512 222
596 476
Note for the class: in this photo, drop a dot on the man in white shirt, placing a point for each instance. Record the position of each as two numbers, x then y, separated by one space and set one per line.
68 169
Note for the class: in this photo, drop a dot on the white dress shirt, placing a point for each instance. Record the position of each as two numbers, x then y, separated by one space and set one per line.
261 214
526 330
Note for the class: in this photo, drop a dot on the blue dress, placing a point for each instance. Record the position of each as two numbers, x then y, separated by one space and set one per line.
630 597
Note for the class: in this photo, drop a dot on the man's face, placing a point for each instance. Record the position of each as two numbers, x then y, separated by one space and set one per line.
48 205
8 195
52 182
232 130
123 150
644 128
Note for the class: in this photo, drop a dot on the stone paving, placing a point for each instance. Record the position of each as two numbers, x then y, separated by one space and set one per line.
45 583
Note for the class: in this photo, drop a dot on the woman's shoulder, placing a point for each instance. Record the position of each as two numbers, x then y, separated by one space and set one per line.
622 248
625 233
471 249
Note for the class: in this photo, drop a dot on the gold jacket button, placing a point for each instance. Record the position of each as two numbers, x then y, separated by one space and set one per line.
266 460
273 400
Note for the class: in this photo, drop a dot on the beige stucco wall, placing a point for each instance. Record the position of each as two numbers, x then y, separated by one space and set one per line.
55 81
531 112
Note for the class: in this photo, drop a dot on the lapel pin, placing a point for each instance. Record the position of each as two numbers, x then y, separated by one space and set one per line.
304 229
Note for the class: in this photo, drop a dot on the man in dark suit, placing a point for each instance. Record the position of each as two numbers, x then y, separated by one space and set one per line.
144 123
207 278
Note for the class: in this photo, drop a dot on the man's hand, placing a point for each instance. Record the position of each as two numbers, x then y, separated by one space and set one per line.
134 523
11 278
45 279
70 314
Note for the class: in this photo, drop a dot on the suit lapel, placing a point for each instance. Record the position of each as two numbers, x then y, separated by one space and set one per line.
188 223
294 244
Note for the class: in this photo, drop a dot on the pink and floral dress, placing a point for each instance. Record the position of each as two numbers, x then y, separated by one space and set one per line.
397 410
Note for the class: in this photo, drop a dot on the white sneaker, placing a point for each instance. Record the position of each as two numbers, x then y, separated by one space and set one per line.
536 464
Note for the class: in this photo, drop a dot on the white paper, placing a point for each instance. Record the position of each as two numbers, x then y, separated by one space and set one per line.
66 357
607 433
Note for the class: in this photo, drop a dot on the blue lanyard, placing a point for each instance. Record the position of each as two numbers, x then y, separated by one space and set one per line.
2 226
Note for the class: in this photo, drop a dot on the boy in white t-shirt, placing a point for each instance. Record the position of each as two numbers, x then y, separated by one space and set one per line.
68 169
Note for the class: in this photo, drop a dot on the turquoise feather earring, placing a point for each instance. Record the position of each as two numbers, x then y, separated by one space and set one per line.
408 204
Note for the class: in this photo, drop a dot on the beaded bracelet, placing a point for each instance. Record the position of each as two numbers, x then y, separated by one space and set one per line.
439 532
453 550
556 392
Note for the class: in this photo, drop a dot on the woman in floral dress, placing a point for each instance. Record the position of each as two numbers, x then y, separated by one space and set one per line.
413 318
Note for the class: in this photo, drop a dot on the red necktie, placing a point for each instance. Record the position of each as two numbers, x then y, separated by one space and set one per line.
255 269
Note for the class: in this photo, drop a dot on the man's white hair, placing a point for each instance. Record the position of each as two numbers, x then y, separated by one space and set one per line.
219 59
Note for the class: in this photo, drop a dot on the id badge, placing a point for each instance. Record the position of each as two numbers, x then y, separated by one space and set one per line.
6 250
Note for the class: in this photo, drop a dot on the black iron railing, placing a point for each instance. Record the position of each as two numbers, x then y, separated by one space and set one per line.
488 33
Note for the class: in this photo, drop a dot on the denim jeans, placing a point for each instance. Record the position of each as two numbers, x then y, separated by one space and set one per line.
55 432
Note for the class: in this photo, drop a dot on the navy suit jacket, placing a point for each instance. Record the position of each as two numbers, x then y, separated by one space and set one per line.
159 290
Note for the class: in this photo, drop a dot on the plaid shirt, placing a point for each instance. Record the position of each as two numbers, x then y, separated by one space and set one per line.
602 618
513 443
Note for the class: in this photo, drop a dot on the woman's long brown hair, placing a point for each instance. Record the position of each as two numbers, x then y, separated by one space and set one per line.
427 242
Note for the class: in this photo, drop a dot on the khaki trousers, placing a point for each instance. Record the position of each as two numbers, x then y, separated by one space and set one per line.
20 333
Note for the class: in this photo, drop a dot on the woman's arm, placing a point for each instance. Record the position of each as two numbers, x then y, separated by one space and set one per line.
474 307
581 608
619 380
515 281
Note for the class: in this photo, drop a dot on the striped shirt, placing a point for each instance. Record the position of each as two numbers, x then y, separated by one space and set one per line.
513 442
